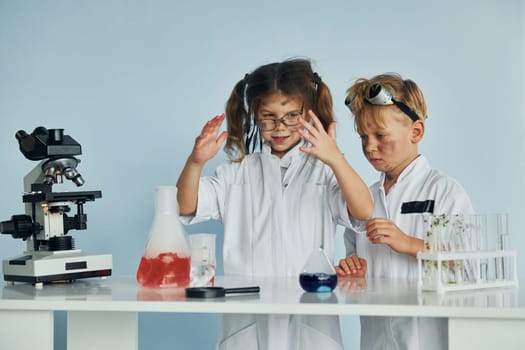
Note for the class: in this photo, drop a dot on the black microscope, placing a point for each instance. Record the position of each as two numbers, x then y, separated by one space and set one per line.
50 254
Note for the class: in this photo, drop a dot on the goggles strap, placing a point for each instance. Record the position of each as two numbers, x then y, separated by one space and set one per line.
409 112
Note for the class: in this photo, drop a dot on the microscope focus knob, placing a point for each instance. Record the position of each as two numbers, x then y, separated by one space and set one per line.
20 226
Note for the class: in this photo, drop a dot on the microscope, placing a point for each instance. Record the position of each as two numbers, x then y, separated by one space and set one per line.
50 254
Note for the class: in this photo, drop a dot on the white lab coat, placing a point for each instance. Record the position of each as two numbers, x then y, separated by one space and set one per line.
417 183
274 212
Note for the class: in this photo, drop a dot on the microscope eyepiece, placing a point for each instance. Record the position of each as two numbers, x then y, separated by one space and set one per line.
45 143
20 135
56 136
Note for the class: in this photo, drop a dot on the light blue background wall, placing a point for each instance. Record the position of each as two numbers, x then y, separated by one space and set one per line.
134 81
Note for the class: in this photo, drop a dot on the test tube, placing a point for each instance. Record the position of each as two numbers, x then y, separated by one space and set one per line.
477 229
484 267
483 246
502 238
483 234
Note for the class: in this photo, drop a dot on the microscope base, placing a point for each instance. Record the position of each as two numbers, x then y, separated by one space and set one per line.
64 265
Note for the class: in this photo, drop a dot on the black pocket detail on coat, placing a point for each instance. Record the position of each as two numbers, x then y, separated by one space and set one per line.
418 207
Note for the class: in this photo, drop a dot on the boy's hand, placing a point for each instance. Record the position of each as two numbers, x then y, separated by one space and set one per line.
209 142
385 231
351 266
322 143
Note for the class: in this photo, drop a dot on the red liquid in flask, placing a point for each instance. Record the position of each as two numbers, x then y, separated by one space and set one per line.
165 270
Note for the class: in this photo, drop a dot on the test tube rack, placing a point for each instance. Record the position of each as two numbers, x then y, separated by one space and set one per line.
447 271
466 252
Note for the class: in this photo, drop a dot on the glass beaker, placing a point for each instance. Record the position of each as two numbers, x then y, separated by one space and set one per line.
202 259
166 262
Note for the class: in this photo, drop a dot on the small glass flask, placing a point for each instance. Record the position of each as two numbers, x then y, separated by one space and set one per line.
318 275
167 260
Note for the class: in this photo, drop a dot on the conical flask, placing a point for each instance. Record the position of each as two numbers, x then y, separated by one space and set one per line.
318 274
167 259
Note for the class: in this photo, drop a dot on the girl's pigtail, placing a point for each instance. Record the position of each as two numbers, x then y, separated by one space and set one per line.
323 101
236 116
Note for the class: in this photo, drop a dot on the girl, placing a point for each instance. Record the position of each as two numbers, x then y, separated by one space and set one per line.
286 184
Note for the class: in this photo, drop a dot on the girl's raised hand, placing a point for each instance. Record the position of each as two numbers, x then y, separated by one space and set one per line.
208 143
322 143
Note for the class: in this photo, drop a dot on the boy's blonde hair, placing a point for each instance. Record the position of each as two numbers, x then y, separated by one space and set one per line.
404 91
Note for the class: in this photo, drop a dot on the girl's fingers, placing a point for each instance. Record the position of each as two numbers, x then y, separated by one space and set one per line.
314 128
356 261
344 266
212 126
348 264
362 262
314 118
340 272
222 137
331 130
305 125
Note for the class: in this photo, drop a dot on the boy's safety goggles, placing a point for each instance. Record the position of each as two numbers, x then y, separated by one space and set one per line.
380 95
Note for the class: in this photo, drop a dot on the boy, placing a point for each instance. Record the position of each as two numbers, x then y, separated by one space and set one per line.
390 118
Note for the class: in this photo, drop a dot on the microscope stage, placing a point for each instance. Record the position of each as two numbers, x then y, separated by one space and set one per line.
63 265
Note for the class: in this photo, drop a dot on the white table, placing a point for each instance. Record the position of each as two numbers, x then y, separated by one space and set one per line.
103 314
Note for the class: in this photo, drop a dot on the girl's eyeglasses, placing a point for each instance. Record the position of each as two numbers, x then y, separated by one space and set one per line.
289 119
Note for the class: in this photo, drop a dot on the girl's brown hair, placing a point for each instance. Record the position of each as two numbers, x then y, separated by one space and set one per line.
294 78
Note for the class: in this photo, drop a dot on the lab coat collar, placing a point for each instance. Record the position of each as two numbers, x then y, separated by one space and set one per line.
417 166
287 159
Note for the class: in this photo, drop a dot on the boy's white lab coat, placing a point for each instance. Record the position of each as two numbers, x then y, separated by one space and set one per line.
274 212
416 188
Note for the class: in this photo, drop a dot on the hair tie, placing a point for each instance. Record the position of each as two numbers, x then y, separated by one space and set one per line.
316 79
245 97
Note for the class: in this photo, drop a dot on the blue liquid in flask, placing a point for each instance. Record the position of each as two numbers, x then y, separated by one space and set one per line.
318 282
